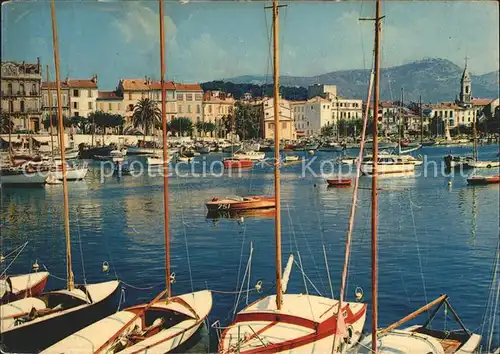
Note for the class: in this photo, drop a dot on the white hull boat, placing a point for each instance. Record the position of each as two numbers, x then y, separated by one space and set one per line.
20 177
162 328
387 165
483 164
156 160
291 158
307 324
72 173
411 159
249 155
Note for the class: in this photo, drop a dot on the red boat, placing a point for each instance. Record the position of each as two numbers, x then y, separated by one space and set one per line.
480 180
240 203
233 163
404 143
20 286
339 182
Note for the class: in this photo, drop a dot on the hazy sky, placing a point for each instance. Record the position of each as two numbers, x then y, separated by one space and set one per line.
217 40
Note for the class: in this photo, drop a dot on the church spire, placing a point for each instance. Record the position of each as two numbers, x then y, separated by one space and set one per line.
465 86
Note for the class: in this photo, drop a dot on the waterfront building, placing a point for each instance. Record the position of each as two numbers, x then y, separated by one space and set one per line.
110 102
321 90
311 115
133 90
299 117
65 99
287 124
216 105
21 94
189 99
83 95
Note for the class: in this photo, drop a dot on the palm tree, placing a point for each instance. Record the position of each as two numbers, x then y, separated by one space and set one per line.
146 115
6 124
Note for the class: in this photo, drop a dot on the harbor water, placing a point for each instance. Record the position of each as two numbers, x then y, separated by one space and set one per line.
437 235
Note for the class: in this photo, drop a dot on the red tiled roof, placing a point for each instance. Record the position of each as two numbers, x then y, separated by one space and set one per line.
481 101
85 83
141 85
52 85
108 95
443 106
188 87
298 102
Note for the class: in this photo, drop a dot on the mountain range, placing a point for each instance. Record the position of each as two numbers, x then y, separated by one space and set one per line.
437 80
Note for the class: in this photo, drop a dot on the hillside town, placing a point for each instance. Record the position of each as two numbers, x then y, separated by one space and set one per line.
27 98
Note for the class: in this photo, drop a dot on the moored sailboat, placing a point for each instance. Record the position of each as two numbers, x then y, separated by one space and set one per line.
34 323
162 324
290 322
15 287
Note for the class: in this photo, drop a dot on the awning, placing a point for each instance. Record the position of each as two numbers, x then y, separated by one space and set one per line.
13 139
43 139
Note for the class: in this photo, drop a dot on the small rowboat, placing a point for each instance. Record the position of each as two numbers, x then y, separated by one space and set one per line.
233 163
290 158
481 180
19 286
339 182
240 203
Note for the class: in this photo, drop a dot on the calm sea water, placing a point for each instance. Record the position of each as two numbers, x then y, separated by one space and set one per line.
434 238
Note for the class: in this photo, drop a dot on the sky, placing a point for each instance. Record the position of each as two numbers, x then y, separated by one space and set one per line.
222 39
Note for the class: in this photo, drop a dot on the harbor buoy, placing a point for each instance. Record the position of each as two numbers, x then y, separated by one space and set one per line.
36 266
105 267
449 183
2 258
358 293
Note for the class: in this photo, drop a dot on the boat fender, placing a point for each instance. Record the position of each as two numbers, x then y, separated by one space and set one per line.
172 278
488 166
258 286
359 293
36 266
105 266
449 183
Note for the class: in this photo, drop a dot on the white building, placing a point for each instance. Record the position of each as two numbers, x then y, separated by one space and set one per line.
321 90
287 131
311 115
83 95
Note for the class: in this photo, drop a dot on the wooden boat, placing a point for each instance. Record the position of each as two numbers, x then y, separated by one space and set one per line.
481 164
53 316
240 203
33 323
339 182
15 287
238 214
456 162
298 323
159 328
421 338
166 322
482 180
230 163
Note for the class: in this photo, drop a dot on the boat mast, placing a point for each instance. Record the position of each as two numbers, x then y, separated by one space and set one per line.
421 120
474 144
277 215
374 181
69 272
50 113
165 150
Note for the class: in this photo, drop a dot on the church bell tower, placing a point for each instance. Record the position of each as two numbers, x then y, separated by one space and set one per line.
465 87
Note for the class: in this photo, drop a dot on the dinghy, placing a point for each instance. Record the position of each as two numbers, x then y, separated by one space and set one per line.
240 203
15 287
482 180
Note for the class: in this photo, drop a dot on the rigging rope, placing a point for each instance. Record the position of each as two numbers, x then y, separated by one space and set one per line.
17 255
80 243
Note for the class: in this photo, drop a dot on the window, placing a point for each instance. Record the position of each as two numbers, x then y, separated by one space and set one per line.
170 95
180 109
189 108
198 109
324 106
75 105
349 115
198 97
451 114
21 89
90 105
65 100
11 106
283 125
180 97
220 109
101 106
189 96
466 89
157 95
21 105
89 93
209 108
9 89
76 93
130 95
77 114
110 106
446 114
119 106
33 89
307 123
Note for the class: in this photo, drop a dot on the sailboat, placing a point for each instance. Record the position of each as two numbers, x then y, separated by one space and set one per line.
404 154
164 323
290 322
237 160
475 163
34 323
417 338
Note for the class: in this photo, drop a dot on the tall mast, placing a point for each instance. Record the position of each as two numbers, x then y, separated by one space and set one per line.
277 217
165 150
374 181
474 145
421 120
69 272
50 113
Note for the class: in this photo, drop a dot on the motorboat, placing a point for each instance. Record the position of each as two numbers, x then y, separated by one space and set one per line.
23 175
483 180
240 203
249 155
387 165
231 163
339 182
